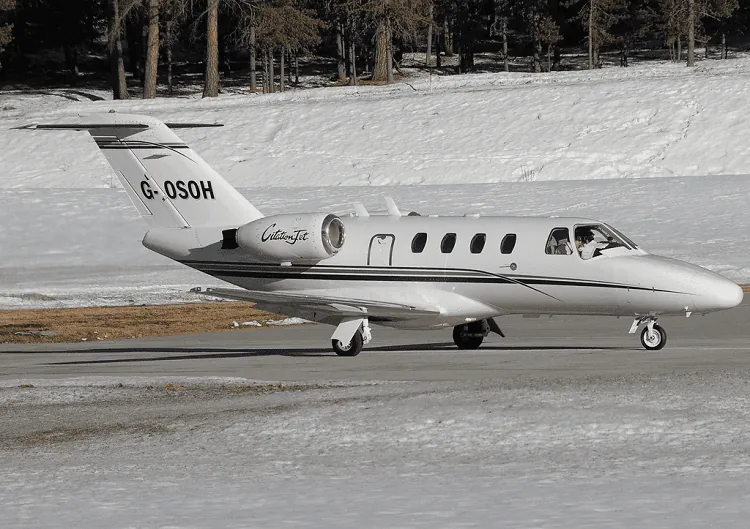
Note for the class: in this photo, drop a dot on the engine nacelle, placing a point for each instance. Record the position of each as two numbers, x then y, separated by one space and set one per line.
293 237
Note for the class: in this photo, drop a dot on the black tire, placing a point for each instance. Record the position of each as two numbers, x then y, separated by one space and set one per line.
655 343
353 348
468 336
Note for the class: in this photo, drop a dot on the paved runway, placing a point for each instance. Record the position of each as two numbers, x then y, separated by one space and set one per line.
548 348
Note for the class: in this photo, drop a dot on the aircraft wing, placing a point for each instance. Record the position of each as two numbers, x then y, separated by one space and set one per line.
317 301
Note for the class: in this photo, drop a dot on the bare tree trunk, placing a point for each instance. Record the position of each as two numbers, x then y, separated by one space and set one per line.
723 45
505 43
428 58
170 86
340 52
211 86
382 56
290 80
282 69
117 65
549 58
448 36
537 47
71 60
353 62
691 33
592 6
296 69
272 67
265 72
253 78
679 49
438 43
152 51
390 56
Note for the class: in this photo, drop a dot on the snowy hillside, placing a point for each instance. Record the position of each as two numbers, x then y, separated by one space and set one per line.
643 121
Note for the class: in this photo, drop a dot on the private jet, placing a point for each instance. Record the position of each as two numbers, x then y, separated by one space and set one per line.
398 270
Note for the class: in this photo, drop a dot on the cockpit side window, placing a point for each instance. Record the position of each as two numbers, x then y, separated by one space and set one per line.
558 242
593 239
628 242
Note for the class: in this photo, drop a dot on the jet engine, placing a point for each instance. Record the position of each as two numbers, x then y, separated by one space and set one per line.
292 237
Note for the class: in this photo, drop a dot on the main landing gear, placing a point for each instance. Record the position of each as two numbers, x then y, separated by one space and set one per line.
471 335
653 336
350 336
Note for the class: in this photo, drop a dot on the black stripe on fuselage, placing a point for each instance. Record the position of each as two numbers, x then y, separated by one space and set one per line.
396 274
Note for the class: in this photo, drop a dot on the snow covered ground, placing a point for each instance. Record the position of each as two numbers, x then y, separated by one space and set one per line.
673 452
566 143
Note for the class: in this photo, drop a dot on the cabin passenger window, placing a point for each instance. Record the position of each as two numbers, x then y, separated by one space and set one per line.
448 242
477 243
419 242
559 242
508 243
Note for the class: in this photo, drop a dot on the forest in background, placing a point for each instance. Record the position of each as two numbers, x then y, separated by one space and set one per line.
145 48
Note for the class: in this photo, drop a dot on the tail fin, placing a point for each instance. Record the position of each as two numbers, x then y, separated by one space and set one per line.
169 184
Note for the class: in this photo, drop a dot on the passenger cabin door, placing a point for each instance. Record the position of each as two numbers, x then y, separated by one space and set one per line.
381 250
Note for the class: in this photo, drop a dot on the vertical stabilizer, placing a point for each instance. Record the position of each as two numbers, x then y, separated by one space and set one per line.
169 184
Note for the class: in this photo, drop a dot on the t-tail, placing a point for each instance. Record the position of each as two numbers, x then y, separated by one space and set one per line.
169 184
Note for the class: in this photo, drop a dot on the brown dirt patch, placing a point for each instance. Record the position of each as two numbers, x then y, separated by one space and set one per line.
117 323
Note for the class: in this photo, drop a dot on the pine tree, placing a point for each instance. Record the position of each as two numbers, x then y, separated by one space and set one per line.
391 19
598 17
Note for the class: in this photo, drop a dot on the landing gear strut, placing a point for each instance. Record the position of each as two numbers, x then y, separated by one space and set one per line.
653 336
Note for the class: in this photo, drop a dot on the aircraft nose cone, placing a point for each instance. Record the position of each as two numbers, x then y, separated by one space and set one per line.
719 294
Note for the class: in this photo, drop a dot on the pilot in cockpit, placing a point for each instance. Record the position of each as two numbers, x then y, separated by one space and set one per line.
586 243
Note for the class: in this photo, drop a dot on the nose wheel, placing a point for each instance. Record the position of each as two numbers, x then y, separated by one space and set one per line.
653 336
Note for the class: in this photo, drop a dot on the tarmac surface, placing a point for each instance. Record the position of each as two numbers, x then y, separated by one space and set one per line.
542 348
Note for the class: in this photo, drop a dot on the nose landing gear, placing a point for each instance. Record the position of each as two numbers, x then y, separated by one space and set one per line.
653 336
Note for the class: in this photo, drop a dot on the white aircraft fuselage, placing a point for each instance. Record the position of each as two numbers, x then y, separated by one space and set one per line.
397 270
377 259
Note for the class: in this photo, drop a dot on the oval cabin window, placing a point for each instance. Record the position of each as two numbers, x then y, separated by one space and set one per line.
419 242
448 242
508 243
477 242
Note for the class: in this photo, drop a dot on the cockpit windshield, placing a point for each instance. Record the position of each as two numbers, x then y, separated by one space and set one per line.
593 239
